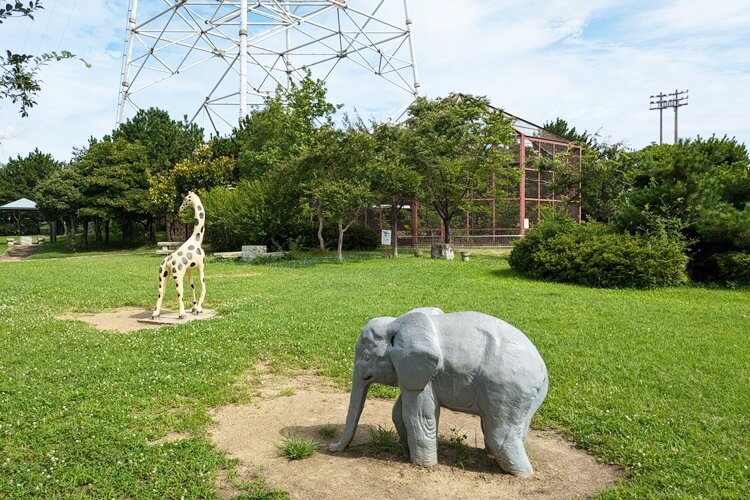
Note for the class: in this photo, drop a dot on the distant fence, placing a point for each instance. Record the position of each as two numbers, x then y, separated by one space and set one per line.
497 240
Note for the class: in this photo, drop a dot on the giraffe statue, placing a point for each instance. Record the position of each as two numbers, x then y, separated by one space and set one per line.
190 255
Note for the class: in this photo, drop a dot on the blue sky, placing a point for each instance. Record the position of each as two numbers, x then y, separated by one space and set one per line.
592 63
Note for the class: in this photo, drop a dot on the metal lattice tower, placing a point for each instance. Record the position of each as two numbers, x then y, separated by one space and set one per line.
218 56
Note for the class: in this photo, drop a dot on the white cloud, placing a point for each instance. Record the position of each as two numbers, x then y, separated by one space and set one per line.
594 64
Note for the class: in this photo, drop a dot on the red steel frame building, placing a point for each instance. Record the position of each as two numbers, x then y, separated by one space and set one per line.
499 221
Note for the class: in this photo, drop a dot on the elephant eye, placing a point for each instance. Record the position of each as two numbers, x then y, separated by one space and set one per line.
366 356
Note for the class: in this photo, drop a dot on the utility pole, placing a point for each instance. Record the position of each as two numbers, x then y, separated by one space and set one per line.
673 100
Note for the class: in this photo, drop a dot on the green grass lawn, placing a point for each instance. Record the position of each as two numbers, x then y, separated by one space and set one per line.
656 381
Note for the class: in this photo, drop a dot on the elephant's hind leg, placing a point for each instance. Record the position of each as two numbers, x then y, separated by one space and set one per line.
505 442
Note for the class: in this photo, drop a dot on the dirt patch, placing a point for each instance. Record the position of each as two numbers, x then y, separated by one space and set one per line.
302 405
18 252
128 319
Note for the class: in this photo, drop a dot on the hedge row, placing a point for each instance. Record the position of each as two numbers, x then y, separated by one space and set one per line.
592 254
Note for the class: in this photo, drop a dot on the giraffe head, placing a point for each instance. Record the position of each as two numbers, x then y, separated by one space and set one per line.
188 201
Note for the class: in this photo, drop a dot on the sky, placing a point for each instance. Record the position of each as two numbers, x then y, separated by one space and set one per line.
593 63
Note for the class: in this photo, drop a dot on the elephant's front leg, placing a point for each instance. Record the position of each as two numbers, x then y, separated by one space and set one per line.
398 421
421 422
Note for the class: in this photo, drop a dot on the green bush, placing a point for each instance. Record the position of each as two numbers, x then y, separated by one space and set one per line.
236 217
592 254
733 267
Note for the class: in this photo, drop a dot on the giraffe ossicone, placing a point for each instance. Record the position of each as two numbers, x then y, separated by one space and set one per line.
186 258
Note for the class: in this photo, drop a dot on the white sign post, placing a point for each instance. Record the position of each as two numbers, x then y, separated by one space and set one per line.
385 237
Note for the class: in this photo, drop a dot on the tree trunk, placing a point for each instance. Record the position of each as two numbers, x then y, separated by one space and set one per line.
106 232
447 229
321 242
394 229
152 229
72 234
97 229
340 254
86 234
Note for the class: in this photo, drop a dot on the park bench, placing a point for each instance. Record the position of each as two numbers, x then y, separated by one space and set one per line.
168 247
10 241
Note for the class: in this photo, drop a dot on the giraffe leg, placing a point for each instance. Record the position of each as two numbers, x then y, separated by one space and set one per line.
179 275
194 310
199 308
163 275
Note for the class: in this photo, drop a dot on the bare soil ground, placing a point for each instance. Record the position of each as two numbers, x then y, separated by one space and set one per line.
304 403
127 319
18 252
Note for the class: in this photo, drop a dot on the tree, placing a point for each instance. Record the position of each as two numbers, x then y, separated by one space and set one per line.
166 141
339 188
269 145
20 176
395 180
115 185
59 197
282 128
457 144
18 72
597 181
698 189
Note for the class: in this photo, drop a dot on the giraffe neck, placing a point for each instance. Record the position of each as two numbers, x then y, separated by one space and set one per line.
199 221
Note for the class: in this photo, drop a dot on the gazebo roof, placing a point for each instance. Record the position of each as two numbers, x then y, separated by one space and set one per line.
21 204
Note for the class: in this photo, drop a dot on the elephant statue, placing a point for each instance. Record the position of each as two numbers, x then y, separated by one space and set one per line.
465 361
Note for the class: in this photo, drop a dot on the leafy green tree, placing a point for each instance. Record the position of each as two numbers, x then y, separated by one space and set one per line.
457 143
698 188
115 185
269 144
19 72
282 128
20 176
598 179
395 181
339 188
167 141
237 216
59 197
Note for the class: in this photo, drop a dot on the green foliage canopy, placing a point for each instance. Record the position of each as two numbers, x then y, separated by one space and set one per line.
457 144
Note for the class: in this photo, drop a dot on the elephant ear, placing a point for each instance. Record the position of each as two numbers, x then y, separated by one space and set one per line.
415 349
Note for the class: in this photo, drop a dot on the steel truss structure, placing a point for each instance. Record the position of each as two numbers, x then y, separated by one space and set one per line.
236 52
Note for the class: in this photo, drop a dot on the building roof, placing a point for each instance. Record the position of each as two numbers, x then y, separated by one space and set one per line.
21 204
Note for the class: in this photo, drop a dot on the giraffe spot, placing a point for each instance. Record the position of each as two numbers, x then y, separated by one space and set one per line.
192 264
198 251
195 222
191 247
184 261
179 253
179 266
200 208
190 256
165 273
200 215
197 237
192 286
174 263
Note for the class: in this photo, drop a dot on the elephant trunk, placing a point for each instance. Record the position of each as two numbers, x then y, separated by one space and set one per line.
356 404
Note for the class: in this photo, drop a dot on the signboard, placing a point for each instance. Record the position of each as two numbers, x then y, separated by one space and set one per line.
385 237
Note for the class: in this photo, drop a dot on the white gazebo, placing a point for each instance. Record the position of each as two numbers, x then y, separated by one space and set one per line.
18 206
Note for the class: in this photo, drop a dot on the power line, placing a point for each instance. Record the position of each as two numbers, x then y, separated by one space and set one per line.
661 101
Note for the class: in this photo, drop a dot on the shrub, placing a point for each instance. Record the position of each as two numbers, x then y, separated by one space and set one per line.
296 447
235 217
733 267
592 254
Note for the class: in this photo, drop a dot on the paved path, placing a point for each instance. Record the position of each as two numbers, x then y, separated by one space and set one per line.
18 252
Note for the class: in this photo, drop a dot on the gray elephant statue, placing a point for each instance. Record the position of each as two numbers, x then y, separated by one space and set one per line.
465 361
